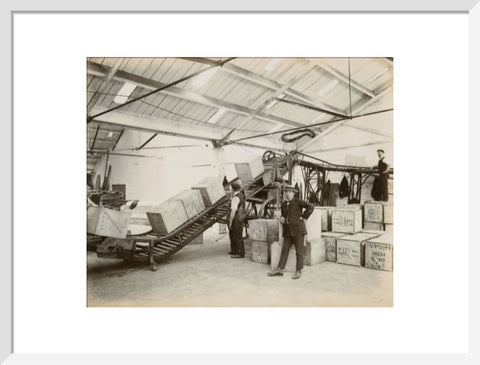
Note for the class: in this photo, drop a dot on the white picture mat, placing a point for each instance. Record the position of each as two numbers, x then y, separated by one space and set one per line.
50 312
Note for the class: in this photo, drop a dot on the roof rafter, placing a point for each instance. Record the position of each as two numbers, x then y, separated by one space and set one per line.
170 127
260 80
340 76
339 124
277 93
101 71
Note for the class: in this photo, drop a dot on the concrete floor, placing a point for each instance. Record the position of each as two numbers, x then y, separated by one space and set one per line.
204 275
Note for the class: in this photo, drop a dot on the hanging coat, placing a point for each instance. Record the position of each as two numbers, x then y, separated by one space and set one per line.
344 189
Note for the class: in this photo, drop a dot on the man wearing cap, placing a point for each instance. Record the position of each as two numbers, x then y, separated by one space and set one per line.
294 212
235 225
382 181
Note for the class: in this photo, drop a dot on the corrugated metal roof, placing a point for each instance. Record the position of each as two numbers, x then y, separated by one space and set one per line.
244 90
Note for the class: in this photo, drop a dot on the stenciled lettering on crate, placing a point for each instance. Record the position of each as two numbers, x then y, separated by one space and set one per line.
351 249
379 253
346 220
374 212
331 244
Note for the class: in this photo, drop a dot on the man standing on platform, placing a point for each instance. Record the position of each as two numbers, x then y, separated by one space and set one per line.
294 212
381 184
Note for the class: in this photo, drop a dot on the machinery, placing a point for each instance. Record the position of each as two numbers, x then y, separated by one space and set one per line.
263 197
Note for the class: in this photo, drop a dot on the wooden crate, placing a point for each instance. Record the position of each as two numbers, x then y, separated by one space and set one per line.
374 212
351 249
373 226
192 201
248 171
388 213
346 220
211 189
331 245
167 217
247 244
379 253
92 217
373 231
263 229
107 222
389 228
276 250
261 251
314 224
230 172
315 251
326 213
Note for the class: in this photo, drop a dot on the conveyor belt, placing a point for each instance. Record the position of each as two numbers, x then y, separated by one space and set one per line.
157 248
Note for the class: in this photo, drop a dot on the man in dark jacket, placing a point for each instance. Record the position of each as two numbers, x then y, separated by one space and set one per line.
235 224
294 213
380 191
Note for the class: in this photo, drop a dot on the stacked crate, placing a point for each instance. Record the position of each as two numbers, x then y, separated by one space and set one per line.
351 248
379 252
248 171
315 251
326 218
192 201
262 233
211 189
347 219
107 222
378 216
330 239
167 217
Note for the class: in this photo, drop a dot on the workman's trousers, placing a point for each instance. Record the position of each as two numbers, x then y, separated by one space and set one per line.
236 240
288 240
384 187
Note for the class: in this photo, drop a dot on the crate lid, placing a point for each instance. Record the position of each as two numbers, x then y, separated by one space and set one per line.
359 237
373 231
384 238
334 234
351 206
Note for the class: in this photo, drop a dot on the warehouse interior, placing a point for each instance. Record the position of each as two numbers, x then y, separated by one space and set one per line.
159 129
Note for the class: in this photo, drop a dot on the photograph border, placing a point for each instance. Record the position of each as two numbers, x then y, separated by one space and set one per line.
10 8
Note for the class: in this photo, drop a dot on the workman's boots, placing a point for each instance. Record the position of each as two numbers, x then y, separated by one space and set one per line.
298 274
277 272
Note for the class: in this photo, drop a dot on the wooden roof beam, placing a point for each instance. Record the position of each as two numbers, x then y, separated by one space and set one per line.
330 129
144 123
260 80
123 76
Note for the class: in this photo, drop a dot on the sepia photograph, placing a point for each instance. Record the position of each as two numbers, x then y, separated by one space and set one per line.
240 182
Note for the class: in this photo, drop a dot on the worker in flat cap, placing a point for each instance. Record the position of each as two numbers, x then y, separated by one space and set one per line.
294 212
236 219
380 189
